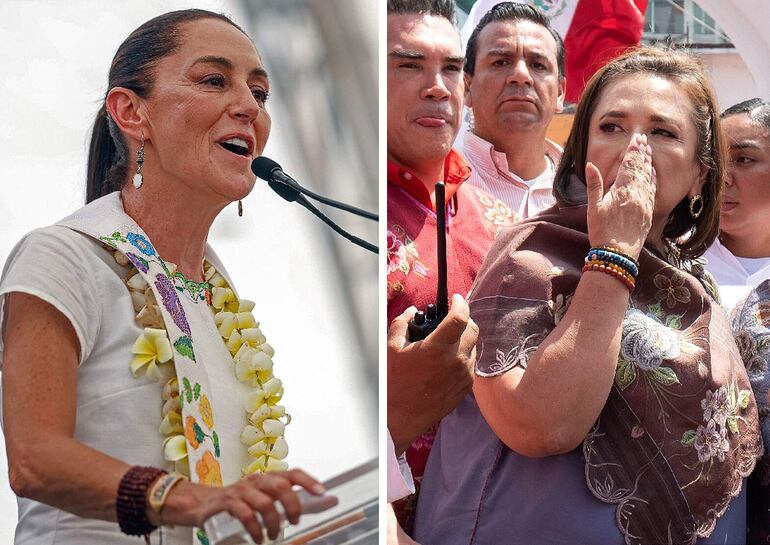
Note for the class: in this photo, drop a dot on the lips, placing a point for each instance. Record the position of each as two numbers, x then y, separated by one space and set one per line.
727 205
238 144
431 122
518 99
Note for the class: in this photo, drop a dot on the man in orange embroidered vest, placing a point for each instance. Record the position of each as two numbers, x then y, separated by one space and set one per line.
427 379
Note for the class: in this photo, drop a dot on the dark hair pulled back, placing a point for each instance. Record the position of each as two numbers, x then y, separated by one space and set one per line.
132 68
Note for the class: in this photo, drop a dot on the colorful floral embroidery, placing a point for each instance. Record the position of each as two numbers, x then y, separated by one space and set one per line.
402 253
172 303
141 244
208 471
721 414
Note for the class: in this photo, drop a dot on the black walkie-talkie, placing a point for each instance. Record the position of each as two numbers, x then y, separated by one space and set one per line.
425 322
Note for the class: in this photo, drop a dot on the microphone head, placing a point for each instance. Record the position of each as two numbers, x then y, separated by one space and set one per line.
264 167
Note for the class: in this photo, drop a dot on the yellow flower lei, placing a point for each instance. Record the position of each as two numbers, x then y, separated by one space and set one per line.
263 435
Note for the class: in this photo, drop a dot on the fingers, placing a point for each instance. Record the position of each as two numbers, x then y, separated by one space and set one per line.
397 332
299 477
594 186
468 340
637 162
452 327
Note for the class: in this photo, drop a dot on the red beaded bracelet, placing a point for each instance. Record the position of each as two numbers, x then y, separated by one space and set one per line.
131 504
608 268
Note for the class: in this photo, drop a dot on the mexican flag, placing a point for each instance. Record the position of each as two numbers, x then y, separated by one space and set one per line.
594 32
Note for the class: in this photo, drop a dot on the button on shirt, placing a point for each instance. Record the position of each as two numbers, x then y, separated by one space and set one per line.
735 276
490 173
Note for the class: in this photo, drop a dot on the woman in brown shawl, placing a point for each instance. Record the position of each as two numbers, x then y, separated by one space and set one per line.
633 388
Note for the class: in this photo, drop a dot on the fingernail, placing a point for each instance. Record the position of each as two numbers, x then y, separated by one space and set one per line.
644 138
318 489
457 298
649 149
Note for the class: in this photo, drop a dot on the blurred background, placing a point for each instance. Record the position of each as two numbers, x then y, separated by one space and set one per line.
316 293
730 37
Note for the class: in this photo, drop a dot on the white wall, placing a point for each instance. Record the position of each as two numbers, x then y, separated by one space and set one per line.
728 73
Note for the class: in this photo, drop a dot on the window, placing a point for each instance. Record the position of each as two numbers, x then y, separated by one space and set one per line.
684 22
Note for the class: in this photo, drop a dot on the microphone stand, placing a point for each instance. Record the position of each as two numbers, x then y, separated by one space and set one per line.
336 204
291 193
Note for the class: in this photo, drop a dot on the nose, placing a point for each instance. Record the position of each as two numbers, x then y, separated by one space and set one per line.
519 74
729 180
244 105
436 89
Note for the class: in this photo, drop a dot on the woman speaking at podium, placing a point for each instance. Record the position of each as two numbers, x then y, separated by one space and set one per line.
137 386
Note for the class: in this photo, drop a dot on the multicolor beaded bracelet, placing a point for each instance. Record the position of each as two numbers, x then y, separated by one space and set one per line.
612 255
613 270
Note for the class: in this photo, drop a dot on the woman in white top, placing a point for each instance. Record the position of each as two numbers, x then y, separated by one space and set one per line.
119 364
740 258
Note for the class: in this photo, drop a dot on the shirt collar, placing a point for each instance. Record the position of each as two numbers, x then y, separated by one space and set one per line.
483 154
456 171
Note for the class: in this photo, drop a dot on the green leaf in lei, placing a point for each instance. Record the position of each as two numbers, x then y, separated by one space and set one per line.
688 438
215 438
184 346
625 373
665 376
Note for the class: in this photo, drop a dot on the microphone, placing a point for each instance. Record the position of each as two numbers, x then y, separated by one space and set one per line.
289 189
270 171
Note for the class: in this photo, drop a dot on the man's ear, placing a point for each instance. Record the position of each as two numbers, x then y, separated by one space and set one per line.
468 78
562 94
125 108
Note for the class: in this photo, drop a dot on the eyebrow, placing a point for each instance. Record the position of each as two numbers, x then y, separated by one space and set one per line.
418 56
227 63
746 144
657 118
500 52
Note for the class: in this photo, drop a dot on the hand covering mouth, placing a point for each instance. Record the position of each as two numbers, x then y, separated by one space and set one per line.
237 145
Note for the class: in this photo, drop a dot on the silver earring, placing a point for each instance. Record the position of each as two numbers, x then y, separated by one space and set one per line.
138 180
240 208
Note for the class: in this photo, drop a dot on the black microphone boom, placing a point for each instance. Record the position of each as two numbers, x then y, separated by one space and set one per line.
269 170
289 189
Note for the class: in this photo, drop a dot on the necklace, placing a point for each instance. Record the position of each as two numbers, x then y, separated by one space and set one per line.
263 433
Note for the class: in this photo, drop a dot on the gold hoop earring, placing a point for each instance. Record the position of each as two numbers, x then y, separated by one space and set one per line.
696 206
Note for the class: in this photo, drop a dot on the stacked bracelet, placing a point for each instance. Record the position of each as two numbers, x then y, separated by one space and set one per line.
614 262
131 504
613 255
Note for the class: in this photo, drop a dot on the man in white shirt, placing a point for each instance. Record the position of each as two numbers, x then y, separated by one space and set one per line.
514 74
740 259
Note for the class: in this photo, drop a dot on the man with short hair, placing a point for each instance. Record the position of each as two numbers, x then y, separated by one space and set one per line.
427 379
514 74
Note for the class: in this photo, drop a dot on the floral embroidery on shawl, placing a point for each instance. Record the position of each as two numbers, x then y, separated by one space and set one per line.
678 432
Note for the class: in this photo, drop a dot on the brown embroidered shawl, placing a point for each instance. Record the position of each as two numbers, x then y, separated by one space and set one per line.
679 430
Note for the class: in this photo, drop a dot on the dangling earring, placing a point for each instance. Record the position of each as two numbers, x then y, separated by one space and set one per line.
696 206
240 208
138 180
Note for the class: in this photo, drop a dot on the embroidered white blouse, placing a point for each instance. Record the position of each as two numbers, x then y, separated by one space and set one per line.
117 413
